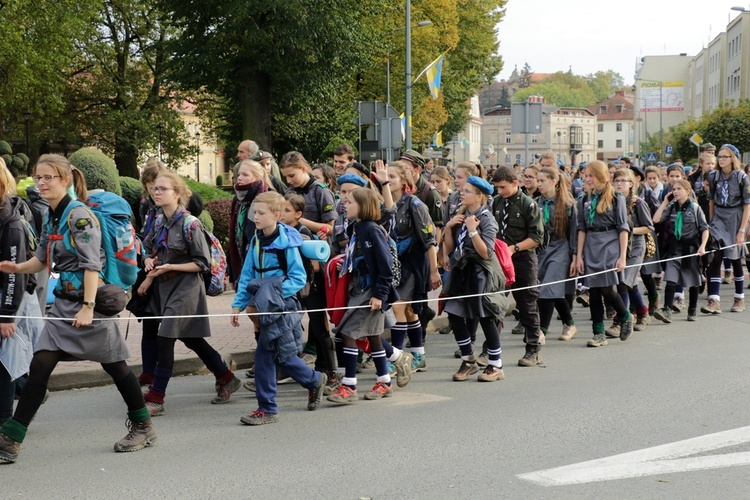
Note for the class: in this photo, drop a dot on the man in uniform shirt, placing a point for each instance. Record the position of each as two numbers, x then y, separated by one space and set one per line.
521 228
343 156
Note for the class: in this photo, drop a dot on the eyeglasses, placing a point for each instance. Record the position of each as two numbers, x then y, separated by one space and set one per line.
621 181
723 157
45 178
160 189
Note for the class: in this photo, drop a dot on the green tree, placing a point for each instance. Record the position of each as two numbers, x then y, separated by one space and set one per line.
558 93
120 91
526 76
604 83
504 97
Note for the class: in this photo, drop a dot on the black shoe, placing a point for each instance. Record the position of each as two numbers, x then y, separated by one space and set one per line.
315 397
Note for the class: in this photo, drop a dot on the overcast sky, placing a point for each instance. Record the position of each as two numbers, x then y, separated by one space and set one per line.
590 35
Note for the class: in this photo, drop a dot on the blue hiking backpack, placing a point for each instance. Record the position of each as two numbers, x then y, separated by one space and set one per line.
121 246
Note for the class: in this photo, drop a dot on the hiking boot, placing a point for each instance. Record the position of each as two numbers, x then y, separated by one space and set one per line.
738 305
518 329
613 331
727 277
446 330
568 332
403 368
467 368
599 340
369 363
309 359
653 305
315 397
145 389
334 381
491 374
249 385
344 395
419 363
140 435
391 368
542 338
223 391
664 315
610 312
679 304
691 315
712 307
250 373
259 417
516 314
626 328
458 354
483 359
583 299
641 322
9 449
379 390
530 359
155 409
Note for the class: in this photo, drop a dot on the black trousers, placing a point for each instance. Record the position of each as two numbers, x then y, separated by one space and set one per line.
318 333
525 264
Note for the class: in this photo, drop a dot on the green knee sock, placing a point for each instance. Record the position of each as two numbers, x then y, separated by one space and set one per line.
598 328
14 430
140 415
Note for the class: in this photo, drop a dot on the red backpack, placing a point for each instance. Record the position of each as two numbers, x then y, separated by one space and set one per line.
506 262
337 289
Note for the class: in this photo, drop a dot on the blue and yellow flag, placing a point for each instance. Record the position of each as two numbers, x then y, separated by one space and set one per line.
434 73
464 143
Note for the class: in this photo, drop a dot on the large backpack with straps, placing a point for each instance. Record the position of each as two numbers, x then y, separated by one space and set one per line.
393 247
121 246
215 279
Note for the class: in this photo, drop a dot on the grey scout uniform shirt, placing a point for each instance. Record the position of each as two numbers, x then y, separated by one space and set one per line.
524 219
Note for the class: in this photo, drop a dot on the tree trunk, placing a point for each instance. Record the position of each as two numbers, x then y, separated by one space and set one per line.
255 102
126 159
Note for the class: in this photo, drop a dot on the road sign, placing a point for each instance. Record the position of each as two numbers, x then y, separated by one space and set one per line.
696 140
651 157
669 149
518 114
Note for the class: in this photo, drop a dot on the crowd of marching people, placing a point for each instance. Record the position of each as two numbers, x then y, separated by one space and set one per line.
549 235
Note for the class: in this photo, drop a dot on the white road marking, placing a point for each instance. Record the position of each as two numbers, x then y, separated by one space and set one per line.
663 459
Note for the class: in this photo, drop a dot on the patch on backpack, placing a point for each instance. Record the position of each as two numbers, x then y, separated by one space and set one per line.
83 223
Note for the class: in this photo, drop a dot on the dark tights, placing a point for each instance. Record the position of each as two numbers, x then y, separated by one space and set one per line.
650 283
547 308
597 295
318 332
669 296
462 334
41 368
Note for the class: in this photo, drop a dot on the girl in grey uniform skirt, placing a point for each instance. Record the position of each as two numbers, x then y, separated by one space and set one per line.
83 338
688 234
178 255
602 245
469 238
729 192
639 220
560 217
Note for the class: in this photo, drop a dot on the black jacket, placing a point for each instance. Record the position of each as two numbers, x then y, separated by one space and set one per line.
373 243
13 234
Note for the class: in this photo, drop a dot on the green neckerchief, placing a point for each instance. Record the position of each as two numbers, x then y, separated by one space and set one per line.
592 209
677 231
545 211
241 222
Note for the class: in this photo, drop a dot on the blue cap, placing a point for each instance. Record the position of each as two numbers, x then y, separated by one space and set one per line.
687 169
661 163
731 148
582 164
481 184
672 166
352 179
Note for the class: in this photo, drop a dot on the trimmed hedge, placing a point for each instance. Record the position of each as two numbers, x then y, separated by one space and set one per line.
5 148
208 222
99 169
221 211
207 192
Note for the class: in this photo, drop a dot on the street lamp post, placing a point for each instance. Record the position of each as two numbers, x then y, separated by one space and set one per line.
26 115
407 111
160 127
197 155
420 24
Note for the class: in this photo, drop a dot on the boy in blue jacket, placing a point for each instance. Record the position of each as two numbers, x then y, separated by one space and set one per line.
271 276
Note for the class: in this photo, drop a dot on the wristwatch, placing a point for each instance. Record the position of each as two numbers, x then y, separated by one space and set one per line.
516 249
473 233
90 304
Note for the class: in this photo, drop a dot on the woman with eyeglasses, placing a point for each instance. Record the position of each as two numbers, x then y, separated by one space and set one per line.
178 255
729 209
530 187
86 337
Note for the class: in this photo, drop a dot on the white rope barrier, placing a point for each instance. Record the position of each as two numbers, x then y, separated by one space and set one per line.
367 306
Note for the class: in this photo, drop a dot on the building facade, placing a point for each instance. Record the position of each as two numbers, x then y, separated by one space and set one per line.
569 133
467 144
615 127
209 162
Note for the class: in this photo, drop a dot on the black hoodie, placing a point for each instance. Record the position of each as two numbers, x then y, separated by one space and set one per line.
14 236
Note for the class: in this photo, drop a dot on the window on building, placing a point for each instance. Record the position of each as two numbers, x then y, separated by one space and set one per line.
600 127
618 143
600 144
588 137
507 137
602 110
619 108
618 127
534 138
